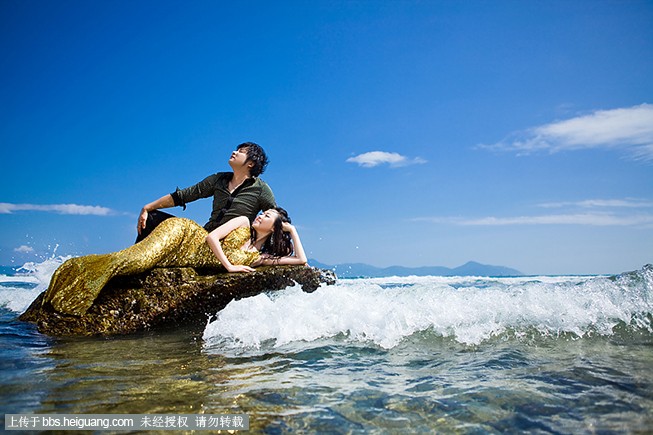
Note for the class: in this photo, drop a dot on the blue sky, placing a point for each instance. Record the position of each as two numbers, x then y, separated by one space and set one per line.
415 133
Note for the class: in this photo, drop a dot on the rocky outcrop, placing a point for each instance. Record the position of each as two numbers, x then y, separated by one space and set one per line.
169 297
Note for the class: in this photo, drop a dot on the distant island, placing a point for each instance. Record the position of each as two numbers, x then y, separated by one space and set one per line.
361 270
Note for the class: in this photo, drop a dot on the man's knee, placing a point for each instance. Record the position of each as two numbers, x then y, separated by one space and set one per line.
154 218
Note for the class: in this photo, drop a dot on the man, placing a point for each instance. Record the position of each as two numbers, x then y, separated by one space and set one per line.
237 193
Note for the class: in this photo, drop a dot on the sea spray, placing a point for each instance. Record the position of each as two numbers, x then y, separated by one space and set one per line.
20 288
385 311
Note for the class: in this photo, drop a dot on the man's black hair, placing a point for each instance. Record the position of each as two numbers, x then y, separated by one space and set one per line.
256 155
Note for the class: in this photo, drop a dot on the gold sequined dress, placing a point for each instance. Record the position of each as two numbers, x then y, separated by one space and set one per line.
176 242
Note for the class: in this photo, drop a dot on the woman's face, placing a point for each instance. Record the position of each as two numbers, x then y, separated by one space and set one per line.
265 221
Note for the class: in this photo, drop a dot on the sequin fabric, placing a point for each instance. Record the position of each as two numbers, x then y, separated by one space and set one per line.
176 242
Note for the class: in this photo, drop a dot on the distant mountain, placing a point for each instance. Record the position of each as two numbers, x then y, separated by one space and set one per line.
471 268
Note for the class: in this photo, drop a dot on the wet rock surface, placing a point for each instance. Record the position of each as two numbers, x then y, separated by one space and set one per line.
168 297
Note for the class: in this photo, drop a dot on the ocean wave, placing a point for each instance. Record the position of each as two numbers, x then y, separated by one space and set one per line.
19 289
10 279
385 311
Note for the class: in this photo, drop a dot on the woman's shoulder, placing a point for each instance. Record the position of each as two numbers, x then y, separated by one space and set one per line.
239 233
236 238
242 230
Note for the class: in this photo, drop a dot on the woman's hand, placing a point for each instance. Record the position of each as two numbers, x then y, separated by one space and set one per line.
239 268
287 227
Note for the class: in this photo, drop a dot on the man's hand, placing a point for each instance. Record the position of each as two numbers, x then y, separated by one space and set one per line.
142 219
165 201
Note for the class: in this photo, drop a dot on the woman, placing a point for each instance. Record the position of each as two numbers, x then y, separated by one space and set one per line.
271 240
179 242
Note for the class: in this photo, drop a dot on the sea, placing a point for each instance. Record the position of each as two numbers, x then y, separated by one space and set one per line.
417 354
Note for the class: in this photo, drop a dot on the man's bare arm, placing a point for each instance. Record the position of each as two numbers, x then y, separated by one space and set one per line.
165 201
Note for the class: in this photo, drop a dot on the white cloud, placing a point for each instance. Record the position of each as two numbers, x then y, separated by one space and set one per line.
7 208
375 158
629 129
24 249
588 219
601 203
594 212
592 219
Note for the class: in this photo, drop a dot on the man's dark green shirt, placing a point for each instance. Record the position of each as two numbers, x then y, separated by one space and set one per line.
251 197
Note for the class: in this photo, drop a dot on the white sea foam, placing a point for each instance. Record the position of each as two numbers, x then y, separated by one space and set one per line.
17 299
21 279
468 309
18 291
42 272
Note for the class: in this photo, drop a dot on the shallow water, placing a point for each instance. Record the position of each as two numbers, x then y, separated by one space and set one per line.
383 371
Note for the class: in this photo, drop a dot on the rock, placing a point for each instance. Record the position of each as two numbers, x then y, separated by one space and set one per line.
168 297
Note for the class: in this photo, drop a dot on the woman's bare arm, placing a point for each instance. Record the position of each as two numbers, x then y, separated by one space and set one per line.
214 237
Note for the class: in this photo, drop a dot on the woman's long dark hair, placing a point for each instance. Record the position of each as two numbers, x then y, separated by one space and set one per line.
279 244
